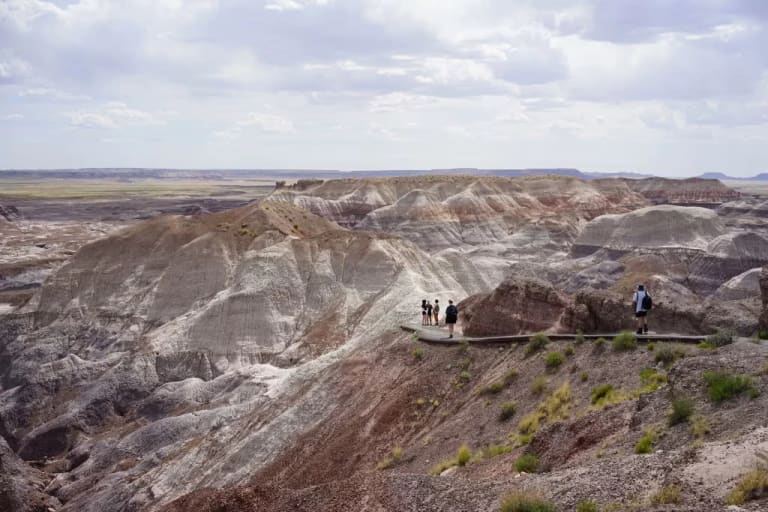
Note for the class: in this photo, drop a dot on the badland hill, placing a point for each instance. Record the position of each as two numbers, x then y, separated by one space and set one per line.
251 359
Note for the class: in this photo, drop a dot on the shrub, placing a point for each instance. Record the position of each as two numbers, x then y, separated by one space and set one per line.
530 423
699 426
463 456
722 386
417 352
751 485
527 463
584 377
492 388
600 393
553 360
667 495
720 338
537 343
651 379
465 375
569 351
586 506
682 409
526 503
651 346
645 444
579 339
539 385
508 410
391 460
665 355
625 341
494 450
599 344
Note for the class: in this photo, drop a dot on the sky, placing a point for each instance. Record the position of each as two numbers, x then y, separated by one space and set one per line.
670 87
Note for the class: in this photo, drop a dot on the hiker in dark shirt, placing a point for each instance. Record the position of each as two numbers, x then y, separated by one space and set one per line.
424 312
642 303
451 316
429 313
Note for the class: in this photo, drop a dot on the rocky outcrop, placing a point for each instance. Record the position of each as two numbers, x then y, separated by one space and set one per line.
764 293
9 213
687 192
515 306
22 488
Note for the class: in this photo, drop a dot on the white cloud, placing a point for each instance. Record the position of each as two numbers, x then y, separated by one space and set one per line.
55 94
90 120
113 115
264 123
12 117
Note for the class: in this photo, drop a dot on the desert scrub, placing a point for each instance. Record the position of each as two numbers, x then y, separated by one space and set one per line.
494 450
682 410
417 352
508 410
553 360
392 459
720 338
667 495
601 394
751 485
699 426
520 502
537 343
465 376
527 463
586 506
584 377
554 408
665 355
569 351
463 456
651 346
539 385
723 386
645 444
624 341
651 379
599 344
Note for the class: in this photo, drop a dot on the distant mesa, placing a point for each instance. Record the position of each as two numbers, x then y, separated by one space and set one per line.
763 176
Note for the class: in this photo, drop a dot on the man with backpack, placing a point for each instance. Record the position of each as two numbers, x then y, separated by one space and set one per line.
642 304
451 315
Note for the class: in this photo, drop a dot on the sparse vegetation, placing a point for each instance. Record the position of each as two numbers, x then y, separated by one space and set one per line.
699 426
667 495
508 410
645 444
600 344
417 352
584 377
463 456
682 410
493 450
579 339
554 408
625 341
665 355
651 347
465 376
586 506
720 338
723 386
651 380
526 503
527 463
537 343
553 360
601 394
752 485
499 385
392 459
569 351
539 385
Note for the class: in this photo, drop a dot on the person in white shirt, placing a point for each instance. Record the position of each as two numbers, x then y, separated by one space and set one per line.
641 306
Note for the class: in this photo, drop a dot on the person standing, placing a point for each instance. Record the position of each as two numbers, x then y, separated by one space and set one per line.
436 312
429 313
451 316
642 303
424 312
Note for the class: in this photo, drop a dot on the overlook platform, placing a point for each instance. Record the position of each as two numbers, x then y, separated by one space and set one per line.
439 335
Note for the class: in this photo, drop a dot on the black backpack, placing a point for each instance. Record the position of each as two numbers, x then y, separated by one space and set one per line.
451 311
647 302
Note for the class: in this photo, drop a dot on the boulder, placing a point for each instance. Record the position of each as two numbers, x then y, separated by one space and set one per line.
517 305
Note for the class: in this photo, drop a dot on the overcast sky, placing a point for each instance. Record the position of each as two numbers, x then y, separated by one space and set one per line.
673 87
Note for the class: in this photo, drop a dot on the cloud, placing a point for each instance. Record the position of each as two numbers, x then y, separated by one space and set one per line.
113 115
54 94
11 117
90 120
261 122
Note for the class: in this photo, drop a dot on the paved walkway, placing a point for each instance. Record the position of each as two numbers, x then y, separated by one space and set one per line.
440 335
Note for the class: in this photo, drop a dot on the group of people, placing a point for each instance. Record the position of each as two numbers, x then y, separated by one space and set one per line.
431 313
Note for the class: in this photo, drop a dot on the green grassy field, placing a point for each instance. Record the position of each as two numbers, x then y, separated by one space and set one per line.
95 189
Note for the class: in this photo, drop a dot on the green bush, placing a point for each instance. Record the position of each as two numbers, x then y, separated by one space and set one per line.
553 360
526 503
720 338
601 392
586 506
527 463
651 346
537 343
465 375
464 455
600 343
722 386
668 495
682 409
645 444
752 485
651 379
665 355
625 341
584 377
492 388
539 385
508 410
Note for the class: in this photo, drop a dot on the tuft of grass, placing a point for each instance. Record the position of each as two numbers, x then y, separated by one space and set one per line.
584 377
463 456
645 444
392 459
666 355
682 410
508 410
752 485
624 341
417 352
667 495
579 339
539 385
494 450
600 344
527 463
554 408
553 360
601 394
520 502
699 426
651 380
720 339
651 347
569 351
586 506
723 386
537 343
465 376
